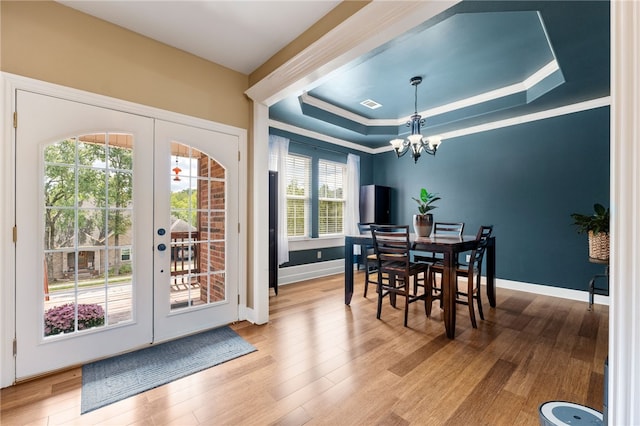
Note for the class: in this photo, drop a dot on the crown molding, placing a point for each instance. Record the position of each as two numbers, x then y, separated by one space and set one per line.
513 121
512 89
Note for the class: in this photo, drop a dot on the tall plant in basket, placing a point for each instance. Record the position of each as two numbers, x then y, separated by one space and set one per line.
596 226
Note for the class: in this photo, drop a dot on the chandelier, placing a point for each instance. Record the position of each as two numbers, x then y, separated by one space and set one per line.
415 142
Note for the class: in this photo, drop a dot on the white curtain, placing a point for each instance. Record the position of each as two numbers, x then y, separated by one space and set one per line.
278 150
352 203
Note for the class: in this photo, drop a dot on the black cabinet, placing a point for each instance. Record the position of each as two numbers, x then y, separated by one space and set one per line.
273 231
375 204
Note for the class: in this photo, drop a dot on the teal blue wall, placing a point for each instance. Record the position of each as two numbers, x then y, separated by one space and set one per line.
525 180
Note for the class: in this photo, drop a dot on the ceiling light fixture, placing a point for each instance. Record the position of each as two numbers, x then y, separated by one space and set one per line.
415 142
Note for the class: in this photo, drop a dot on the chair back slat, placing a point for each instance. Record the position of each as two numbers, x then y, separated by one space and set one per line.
391 244
448 228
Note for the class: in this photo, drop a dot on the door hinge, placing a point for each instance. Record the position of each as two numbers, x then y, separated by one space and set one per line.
15 234
238 227
238 156
15 120
238 299
15 347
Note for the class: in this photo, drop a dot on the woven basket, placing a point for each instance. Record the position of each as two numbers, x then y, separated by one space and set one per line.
599 245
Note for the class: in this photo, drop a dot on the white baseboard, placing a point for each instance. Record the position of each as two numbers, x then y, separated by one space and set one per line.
294 274
564 293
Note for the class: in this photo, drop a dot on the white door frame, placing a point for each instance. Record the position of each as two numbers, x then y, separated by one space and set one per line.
9 83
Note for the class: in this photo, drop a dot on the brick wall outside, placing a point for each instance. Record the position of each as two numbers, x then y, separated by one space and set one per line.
212 229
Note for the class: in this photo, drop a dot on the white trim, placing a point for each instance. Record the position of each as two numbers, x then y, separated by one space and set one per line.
306 98
512 89
260 312
527 118
319 136
513 121
9 83
243 219
7 248
294 274
624 317
315 243
547 290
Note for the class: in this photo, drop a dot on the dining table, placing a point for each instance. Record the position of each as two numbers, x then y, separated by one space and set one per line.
450 247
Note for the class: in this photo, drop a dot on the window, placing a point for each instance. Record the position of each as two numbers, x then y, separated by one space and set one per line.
331 177
125 254
298 195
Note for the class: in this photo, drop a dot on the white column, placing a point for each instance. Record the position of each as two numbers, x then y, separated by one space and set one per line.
260 243
624 330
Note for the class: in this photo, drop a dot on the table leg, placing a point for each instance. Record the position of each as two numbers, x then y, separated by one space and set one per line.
491 272
348 270
449 295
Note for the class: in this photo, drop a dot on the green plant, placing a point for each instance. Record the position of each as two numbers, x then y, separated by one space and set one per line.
597 222
125 269
426 200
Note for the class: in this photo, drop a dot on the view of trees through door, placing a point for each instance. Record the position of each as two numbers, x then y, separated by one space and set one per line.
88 183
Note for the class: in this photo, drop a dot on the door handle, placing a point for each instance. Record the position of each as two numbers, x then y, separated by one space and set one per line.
162 247
161 231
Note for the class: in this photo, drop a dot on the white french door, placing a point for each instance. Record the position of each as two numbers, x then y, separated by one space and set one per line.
115 250
196 229
69 157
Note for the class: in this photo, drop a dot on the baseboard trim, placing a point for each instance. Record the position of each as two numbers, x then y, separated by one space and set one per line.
564 293
294 274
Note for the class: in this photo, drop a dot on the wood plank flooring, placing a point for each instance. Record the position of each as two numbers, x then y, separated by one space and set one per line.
320 362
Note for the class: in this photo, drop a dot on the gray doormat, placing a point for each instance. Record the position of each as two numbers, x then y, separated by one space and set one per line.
113 379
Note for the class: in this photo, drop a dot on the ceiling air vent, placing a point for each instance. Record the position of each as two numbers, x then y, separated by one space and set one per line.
371 104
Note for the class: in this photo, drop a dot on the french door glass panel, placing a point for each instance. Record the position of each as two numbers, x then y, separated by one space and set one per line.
88 205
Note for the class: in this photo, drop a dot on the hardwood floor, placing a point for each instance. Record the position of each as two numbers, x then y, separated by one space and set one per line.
321 362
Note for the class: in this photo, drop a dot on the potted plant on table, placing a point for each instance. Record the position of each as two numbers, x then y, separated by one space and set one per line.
423 222
597 227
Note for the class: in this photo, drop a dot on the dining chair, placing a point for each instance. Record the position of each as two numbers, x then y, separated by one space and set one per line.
472 272
369 259
393 254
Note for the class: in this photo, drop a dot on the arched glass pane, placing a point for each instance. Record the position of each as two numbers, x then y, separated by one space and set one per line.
198 217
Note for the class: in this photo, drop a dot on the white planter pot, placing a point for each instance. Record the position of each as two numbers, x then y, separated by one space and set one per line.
422 224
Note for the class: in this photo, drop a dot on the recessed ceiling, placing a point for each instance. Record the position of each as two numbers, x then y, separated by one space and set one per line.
480 61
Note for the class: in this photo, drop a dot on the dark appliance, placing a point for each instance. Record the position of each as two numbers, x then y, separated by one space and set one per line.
375 204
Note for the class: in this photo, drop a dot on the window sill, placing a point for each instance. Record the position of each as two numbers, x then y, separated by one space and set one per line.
316 243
